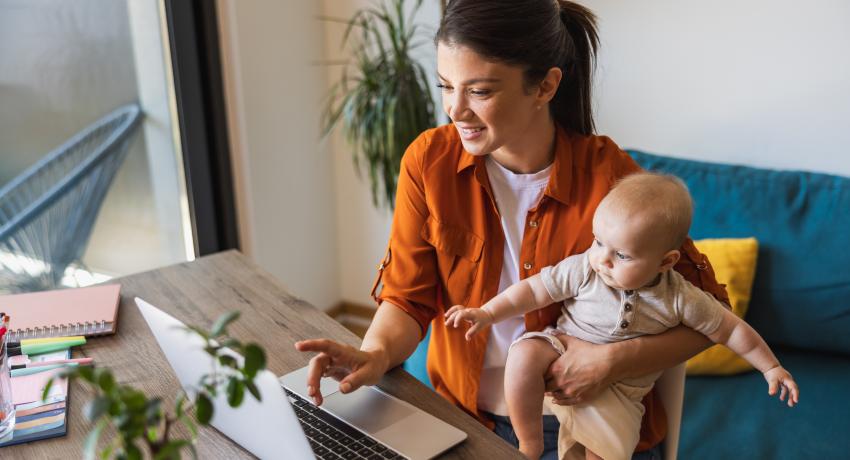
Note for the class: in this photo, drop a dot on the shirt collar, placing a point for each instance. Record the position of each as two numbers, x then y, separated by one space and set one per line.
560 180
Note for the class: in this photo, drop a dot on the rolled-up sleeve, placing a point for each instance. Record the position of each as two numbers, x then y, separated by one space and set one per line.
407 276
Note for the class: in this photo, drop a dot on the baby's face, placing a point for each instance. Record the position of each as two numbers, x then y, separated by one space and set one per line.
625 253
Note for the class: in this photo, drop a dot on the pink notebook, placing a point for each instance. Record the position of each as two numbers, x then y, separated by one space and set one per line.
81 311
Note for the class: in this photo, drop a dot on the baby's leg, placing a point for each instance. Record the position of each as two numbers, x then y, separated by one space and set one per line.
525 370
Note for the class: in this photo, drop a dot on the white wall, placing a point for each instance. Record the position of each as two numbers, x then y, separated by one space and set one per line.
284 176
363 231
762 82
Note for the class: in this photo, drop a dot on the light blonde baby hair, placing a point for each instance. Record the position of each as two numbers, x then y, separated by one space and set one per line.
663 198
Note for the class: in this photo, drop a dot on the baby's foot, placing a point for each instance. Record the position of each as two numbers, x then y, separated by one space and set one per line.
532 450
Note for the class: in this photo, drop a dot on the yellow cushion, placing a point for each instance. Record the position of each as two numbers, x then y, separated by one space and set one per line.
734 262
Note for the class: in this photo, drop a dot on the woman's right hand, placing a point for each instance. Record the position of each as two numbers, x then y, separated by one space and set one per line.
353 368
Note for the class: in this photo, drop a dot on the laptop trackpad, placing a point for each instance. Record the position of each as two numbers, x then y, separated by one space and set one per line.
366 408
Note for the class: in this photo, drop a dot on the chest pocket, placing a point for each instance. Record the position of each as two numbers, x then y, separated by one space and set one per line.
458 256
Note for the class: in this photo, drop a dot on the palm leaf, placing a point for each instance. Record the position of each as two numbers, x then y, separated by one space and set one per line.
382 100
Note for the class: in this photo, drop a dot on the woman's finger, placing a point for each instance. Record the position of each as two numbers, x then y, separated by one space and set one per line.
330 347
315 370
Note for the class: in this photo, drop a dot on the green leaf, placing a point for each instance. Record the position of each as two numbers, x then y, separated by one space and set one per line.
46 390
255 359
252 388
171 450
132 452
86 373
153 412
135 401
203 409
106 381
228 361
199 331
235 392
192 426
90 445
221 323
95 408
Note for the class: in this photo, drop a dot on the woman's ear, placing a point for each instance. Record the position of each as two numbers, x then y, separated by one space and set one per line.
549 86
669 260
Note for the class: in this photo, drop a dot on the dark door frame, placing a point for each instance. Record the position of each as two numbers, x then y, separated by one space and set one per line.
196 62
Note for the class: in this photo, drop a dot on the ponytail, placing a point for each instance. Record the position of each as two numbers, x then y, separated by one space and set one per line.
572 105
536 35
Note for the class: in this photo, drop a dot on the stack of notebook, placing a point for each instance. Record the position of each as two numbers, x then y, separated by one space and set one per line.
86 311
36 418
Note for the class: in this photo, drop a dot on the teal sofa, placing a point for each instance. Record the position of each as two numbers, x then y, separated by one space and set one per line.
800 304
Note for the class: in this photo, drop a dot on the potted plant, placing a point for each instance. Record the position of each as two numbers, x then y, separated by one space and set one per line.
140 423
382 100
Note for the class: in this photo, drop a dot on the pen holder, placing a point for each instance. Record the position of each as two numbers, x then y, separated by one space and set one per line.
7 404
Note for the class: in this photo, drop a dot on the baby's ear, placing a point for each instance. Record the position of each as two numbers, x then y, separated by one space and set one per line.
669 260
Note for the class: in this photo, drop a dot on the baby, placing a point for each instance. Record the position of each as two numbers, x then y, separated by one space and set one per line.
622 287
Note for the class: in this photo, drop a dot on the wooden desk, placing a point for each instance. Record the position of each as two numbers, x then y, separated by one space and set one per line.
197 293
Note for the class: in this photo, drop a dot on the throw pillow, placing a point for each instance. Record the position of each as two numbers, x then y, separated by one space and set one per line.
734 262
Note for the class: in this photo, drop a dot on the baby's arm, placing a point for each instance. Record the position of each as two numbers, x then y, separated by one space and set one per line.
741 338
520 298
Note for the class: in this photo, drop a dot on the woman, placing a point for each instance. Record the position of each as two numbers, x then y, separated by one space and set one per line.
509 187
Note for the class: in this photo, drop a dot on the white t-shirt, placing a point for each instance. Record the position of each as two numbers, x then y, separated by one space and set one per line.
515 195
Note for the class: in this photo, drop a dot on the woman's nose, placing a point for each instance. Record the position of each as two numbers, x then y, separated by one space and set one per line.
457 109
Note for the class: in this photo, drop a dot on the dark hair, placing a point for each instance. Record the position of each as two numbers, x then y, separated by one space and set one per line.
537 35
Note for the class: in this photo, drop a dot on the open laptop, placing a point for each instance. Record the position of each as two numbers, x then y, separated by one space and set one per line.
366 423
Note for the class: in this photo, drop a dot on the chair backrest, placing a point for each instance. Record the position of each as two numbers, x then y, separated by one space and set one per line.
671 390
47 212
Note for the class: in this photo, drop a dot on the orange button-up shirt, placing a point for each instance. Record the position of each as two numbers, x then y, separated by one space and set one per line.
446 248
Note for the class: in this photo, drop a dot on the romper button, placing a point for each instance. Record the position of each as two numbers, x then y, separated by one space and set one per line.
627 307
526 266
624 324
533 223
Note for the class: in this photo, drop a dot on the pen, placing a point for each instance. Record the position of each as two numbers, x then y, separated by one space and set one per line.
36 348
36 370
45 340
80 361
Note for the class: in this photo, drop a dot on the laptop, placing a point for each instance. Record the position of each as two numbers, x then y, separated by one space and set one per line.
366 423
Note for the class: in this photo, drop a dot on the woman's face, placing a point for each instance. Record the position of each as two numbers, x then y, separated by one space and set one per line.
488 102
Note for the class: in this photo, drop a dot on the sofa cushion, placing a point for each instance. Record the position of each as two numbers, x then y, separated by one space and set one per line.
734 262
801 292
733 416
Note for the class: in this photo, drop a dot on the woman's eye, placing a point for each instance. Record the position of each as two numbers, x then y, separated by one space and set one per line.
444 87
479 92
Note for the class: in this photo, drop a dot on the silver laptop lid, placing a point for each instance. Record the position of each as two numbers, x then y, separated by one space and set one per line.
268 429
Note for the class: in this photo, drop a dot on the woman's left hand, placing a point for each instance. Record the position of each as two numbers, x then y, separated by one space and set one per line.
580 373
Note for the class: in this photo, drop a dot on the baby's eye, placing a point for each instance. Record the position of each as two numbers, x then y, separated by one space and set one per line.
597 243
622 256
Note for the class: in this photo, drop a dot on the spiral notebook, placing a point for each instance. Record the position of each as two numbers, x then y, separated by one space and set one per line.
84 311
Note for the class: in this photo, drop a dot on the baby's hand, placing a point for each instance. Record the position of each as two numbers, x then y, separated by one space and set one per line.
478 317
781 378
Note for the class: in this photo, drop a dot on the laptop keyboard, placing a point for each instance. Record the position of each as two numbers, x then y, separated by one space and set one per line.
332 439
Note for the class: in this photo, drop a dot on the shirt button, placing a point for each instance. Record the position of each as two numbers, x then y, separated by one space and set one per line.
627 307
526 266
533 223
624 324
